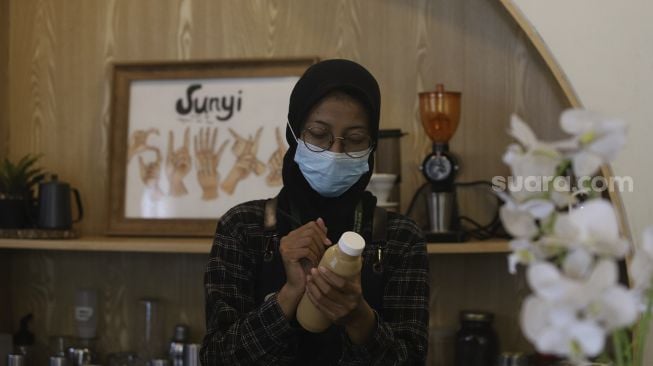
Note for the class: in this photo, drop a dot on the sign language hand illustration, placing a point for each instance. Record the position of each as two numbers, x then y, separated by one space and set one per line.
275 163
178 164
150 174
206 162
245 150
138 142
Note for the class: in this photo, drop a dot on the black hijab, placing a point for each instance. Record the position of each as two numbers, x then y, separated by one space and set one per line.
297 195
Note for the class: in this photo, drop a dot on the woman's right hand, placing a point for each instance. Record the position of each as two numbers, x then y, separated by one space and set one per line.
301 250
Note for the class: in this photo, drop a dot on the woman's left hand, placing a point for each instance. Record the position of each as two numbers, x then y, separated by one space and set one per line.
341 300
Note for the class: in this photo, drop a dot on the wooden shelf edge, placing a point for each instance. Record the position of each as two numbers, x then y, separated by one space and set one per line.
471 247
203 245
115 244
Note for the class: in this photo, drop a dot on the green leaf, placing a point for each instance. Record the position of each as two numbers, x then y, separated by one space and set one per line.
17 180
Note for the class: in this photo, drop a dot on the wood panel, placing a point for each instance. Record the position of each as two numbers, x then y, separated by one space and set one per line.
62 75
5 293
5 310
48 280
59 96
4 78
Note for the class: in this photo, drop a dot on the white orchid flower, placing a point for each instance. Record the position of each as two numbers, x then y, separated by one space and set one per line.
519 218
527 252
578 263
642 264
612 304
556 329
600 139
592 226
549 283
594 293
523 252
532 162
562 193
618 307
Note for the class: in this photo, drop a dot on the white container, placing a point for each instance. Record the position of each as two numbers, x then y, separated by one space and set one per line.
381 185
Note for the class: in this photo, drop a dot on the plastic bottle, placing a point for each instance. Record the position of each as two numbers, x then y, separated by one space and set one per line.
176 348
343 259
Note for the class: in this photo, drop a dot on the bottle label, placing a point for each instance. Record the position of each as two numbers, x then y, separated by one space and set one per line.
83 313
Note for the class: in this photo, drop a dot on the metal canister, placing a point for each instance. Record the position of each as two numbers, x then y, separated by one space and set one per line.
15 360
513 359
57 361
192 354
79 356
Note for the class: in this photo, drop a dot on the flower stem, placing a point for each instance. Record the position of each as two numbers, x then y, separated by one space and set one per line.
626 346
643 328
617 346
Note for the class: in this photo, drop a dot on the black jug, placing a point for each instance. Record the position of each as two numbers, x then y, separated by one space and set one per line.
54 205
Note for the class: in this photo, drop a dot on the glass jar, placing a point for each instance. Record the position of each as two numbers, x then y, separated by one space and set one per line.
476 340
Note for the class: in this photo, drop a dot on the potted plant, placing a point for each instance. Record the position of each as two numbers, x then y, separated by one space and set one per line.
17 182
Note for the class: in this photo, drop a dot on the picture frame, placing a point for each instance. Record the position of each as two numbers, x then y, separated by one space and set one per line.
191 139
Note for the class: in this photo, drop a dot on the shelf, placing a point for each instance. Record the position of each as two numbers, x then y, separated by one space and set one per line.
115 244
203 245
470 247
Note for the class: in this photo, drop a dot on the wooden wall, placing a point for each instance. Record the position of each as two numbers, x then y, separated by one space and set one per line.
47 283
61 52
4 78
5 322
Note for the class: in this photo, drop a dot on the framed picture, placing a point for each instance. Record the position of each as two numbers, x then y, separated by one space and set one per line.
190 140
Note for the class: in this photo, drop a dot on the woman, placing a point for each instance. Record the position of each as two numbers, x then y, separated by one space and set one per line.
265 253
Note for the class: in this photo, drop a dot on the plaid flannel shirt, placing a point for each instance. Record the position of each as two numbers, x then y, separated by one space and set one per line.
239 332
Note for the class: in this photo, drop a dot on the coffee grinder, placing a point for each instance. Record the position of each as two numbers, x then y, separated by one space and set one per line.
440 114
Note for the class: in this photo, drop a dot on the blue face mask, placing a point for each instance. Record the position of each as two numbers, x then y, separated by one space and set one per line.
329 174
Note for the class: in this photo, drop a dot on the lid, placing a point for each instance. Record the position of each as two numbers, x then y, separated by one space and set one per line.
476 316
351 243
181 333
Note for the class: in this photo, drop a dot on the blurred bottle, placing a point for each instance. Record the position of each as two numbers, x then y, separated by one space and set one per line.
59 344
86 303
149 330
176 348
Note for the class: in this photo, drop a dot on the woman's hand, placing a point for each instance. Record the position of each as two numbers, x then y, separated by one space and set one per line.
300 250
341 300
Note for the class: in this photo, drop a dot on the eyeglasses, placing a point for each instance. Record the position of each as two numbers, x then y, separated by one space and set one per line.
354 144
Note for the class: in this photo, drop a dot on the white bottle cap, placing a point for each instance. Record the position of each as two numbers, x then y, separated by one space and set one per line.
351 243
